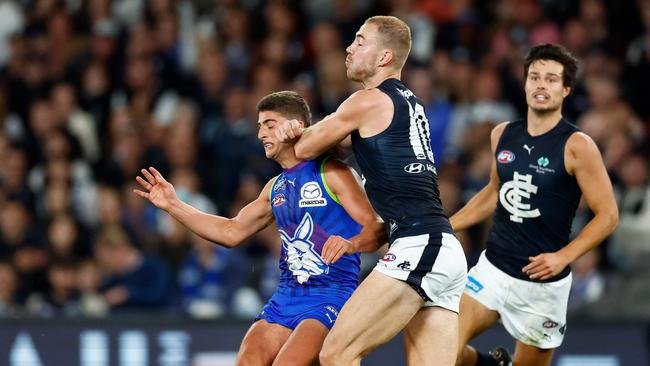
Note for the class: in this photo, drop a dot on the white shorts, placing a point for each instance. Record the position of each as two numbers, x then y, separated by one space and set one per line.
532 312
433 264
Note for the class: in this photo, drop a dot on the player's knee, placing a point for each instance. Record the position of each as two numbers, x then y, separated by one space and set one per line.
249 359
245 361
329 355
292 362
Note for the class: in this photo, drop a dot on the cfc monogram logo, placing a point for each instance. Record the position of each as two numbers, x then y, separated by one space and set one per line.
512 193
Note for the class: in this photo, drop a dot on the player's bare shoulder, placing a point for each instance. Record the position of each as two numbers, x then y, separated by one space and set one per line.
371 108
366 101
579 147
496 133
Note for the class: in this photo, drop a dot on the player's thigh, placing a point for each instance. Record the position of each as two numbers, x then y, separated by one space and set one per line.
304 344
262 343
431 337
474 319
527 355
376 312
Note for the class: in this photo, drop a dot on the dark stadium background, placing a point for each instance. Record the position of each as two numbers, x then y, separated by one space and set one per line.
92 91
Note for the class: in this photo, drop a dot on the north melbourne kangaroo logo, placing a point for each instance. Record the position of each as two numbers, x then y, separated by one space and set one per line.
302 259
511 194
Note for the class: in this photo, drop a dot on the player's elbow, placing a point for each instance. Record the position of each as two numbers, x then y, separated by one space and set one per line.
612 220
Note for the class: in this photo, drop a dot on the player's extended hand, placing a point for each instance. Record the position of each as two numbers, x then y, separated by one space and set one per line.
158 191
288 130
545 266
335 247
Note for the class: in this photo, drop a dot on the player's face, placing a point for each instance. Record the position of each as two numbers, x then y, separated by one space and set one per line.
545 90
266 123
363 54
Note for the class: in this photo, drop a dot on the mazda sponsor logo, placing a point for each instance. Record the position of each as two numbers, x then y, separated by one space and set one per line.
312 195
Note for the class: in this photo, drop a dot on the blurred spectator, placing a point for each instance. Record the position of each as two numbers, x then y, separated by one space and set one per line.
134 280
588 283
65 239
209 277
486 105
22 241
9 306
62 298
78 122
13 177
630 248
92 91
89 281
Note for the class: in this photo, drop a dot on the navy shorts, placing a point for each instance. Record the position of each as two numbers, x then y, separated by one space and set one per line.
290 306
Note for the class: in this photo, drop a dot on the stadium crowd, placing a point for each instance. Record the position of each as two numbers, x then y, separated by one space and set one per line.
93 91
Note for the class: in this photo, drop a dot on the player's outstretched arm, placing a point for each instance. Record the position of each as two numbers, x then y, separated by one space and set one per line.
324 135
583 160
227 232
346 186
483 204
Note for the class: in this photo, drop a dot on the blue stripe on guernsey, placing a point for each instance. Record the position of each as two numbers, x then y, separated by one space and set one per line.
306 216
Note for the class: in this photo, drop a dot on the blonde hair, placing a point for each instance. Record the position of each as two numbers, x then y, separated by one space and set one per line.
112 237
394 34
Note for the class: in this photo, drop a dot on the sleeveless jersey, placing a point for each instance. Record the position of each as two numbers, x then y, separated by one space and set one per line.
307 213
398 169
537 197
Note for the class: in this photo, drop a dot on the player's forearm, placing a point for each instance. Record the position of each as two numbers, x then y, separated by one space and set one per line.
311 144
371 237
597 230
217 229
478 209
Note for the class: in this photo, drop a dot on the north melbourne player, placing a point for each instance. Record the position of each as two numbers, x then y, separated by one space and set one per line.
324 219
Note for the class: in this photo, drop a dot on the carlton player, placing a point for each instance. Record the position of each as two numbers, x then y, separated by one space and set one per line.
542 166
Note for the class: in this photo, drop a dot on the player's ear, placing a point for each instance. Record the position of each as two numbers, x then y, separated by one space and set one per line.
386 57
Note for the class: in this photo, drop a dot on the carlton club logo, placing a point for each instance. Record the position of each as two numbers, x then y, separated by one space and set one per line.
512 194
505 157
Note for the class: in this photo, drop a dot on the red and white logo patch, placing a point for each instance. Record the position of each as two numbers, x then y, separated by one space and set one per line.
278 200
389 257
505 156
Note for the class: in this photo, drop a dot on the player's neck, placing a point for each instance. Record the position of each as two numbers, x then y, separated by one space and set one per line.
540 123
380 77
287 159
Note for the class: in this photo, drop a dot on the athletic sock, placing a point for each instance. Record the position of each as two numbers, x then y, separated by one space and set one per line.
484 359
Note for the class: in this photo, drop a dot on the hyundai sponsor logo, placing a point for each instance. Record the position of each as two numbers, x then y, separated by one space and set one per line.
415 168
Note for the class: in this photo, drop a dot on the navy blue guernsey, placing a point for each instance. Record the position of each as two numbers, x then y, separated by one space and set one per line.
537 197
398 168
